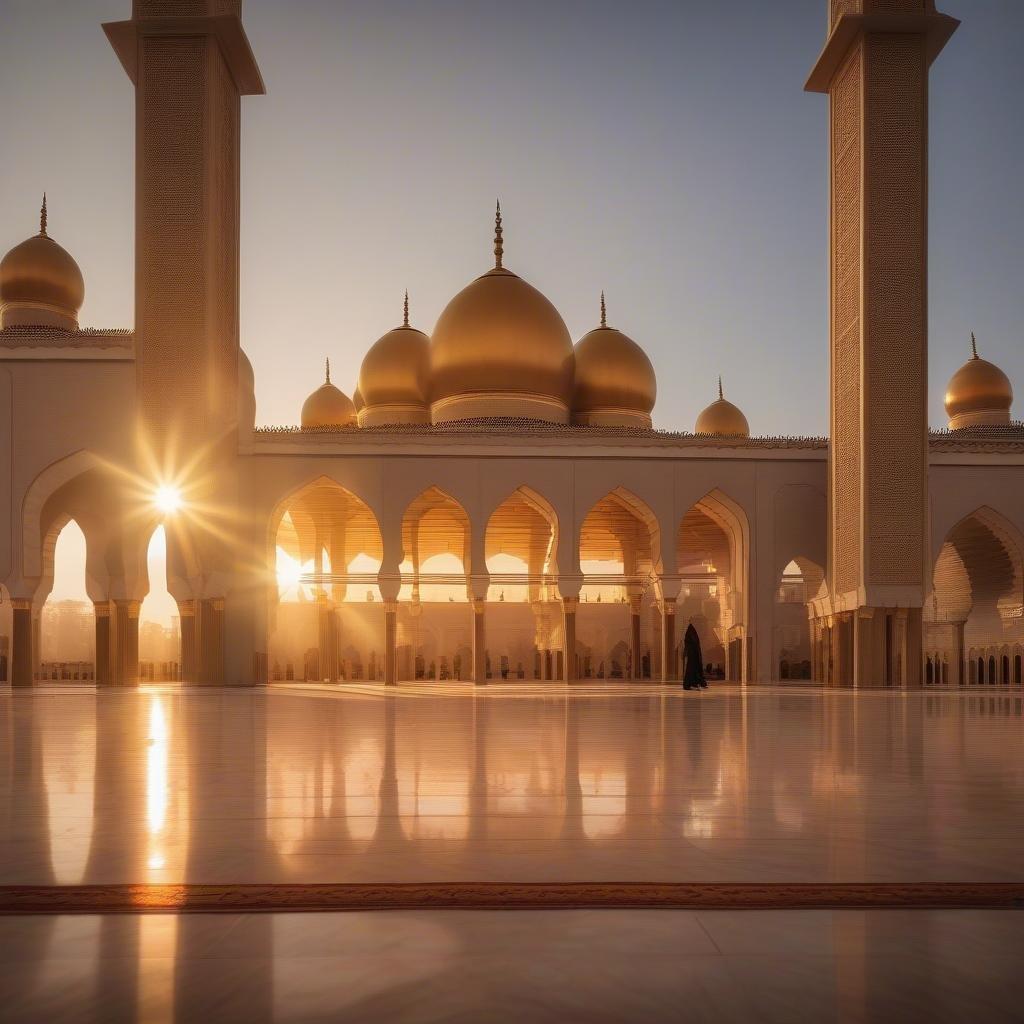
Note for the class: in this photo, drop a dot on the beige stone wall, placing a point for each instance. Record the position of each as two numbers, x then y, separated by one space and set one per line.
895 370
846 215
187 231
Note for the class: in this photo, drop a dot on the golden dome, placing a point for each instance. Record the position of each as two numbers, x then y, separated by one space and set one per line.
978 394
500 348
723 418
357 399
328 407
40 284
394 379
615 382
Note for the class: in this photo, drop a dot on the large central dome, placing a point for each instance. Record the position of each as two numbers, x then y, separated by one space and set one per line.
500 348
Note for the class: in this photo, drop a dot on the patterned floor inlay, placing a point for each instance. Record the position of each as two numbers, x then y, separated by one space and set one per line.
93 899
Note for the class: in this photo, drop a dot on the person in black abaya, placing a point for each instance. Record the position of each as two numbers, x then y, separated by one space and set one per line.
693 665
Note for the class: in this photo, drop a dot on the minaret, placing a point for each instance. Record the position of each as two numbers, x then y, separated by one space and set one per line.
190 62
874 68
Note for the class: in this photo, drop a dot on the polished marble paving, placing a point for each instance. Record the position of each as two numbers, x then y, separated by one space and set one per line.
496 966
510 783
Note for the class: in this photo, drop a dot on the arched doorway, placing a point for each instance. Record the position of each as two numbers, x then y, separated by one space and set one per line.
977 601
711 560
159 618
434 628
523 604
67 620
799 583
618 625
327 622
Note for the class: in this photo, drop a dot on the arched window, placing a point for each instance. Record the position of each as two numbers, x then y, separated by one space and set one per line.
67 622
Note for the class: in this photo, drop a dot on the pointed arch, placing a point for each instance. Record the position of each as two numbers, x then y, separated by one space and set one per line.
522 528
978 578
435 523
33 529
622 527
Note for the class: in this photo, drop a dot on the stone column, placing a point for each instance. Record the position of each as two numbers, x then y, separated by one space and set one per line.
210 640
390 642
189 657
669 588
101 611
669 671
479 641
912 648
635 608
569 669
22 648
124 649
957 669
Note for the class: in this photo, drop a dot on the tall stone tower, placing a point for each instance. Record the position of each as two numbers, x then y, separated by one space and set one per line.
874 68
190 63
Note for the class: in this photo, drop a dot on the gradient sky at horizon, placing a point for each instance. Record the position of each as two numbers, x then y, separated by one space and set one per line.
664 152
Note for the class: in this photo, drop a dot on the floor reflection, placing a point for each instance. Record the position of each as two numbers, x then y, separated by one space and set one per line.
590 783
607 965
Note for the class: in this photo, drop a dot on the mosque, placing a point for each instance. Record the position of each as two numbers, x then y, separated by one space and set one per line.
491 501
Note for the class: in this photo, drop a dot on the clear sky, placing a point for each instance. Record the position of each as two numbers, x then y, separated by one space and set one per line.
663 151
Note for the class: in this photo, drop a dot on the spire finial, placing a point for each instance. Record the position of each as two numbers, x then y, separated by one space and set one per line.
604 312
720 395
327 370
405 309
974 347
42 218
499 249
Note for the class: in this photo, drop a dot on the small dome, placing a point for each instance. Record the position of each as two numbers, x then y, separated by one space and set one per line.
615 382
357 399
40 284
978 394
328 407
500 348
722 418
394 380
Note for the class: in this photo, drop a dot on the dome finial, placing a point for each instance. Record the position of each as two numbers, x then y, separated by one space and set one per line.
499 249
720 394
974 346
405 309
42 219
327 370
604 312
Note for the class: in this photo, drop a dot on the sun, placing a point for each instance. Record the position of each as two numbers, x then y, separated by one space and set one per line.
167 499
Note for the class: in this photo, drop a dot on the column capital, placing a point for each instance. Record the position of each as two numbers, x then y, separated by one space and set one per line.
569 585
935 27
570 604
477 585
669 587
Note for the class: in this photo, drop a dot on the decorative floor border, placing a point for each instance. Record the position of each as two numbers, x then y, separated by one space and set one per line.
251 898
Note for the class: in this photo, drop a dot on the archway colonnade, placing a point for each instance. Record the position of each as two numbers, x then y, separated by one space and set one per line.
441 584
115 516
507 597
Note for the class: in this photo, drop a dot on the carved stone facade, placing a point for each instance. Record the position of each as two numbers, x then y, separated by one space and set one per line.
875 69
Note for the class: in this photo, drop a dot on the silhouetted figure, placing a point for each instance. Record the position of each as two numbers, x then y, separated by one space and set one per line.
693 666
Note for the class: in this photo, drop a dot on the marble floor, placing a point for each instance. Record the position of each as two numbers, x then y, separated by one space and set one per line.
299 784
510 783
496 966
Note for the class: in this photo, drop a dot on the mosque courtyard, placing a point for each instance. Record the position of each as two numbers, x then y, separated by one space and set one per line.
601 791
